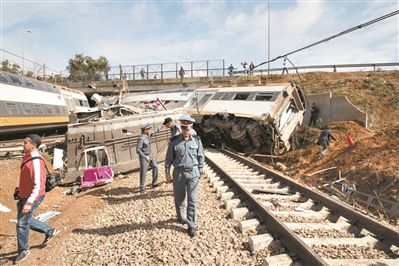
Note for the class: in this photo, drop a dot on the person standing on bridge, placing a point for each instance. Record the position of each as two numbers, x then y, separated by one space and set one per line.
231 69
30 193
285 69
181 73
142 73
146 157
186 153
251 69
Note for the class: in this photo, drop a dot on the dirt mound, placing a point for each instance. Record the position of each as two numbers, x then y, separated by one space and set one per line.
370 164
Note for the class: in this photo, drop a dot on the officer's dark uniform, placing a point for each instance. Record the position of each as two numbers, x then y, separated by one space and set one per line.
144 150
175 130
187 157
314 114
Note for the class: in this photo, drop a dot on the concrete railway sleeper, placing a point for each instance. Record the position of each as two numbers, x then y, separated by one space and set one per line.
309 228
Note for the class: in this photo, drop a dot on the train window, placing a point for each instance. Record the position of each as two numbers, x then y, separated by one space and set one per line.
15 80
264 96
82 103
57 109
29 84
204 99
3 79
49 109
27 108
37 109
49 88
39 86
241 96
226 96
12 108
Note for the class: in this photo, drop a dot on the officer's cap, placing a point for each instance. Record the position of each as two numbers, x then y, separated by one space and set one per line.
186 120
145 124
167 120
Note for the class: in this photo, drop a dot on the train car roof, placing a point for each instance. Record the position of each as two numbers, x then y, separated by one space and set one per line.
30 83
252 88
162 95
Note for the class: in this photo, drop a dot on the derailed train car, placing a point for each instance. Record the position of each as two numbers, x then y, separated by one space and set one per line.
119 135
249 119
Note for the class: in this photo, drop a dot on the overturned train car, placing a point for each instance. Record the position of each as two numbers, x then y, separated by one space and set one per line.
249 119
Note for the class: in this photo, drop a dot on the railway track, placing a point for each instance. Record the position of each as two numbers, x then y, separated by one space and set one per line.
311 228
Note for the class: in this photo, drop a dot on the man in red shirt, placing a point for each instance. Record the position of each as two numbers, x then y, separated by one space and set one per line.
32 183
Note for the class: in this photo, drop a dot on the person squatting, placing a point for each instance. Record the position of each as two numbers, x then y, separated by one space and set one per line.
186 154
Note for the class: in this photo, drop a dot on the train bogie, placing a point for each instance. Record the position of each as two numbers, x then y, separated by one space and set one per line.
250 119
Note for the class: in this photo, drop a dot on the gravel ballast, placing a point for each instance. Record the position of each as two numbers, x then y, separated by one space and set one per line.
142 229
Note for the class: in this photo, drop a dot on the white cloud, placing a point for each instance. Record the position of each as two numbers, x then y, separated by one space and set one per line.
153 32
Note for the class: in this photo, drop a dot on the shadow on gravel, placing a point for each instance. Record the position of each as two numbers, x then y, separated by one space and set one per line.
138 196
171 224
118 191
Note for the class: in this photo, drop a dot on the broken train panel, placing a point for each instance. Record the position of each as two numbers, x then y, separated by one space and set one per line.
119 136
249 119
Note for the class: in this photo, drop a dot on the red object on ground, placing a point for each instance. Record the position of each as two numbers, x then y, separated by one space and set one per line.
350 141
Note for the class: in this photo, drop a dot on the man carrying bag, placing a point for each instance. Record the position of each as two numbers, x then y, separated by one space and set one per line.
31 191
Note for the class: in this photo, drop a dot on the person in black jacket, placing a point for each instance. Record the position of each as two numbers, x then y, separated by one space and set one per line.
324 140
314 114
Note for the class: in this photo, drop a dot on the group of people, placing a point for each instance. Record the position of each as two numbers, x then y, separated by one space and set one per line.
186 154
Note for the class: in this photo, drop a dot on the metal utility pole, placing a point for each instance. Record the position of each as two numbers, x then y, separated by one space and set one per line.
268 36
22 44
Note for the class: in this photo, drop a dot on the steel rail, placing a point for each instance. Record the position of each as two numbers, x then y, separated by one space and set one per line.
383 233
280 231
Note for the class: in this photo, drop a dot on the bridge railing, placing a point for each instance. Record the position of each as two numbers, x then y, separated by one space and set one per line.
217 68
190 69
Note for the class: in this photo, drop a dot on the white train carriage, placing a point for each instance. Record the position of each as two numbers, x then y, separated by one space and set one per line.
250 119
75 100
27 104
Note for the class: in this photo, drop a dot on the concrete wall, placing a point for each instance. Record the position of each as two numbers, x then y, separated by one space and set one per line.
335 108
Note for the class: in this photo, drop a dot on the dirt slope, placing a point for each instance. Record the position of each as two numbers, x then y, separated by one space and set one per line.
371 163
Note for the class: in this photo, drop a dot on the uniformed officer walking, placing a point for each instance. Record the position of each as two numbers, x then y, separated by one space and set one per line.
186 153
146 157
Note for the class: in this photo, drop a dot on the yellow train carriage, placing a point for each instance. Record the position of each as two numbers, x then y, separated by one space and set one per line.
27 104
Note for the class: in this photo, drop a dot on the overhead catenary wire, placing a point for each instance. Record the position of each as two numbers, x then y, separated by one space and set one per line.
368 23
28 60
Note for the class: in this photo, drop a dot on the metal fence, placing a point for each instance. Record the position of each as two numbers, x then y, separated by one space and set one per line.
192 69
217 68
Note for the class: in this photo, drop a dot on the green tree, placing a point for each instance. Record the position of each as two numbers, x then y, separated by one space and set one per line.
15 69
86 68
5 65
29 74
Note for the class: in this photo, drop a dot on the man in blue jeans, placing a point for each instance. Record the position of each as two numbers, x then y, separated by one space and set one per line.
31 190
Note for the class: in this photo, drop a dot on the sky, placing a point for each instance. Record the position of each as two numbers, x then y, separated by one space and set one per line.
152 32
